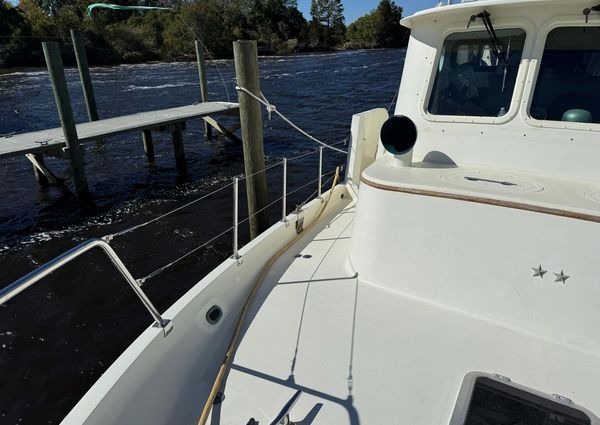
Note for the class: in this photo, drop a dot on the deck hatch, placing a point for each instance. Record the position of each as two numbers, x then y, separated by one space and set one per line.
495 400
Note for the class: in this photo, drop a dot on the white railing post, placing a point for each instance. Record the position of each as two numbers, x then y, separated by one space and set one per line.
236 254
284 206
320 170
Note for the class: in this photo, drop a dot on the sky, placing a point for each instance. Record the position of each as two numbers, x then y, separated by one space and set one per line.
354 9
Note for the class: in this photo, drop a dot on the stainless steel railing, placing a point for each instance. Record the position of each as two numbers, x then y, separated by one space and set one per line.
35 276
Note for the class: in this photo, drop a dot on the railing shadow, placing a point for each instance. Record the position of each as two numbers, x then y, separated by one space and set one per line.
347 403
312 415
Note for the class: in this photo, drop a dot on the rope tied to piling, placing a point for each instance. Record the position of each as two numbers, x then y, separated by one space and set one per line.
272 108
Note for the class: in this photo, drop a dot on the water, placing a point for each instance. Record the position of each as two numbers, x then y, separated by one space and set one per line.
57 338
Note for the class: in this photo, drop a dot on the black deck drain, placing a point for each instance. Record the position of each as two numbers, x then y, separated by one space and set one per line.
214 314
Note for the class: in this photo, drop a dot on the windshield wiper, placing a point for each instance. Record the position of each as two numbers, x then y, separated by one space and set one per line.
497 45
588 10
489 27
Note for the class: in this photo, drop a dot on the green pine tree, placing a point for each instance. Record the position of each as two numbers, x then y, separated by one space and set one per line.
329 14
379 28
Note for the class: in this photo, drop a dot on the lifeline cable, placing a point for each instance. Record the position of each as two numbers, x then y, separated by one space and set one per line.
158 271
110 237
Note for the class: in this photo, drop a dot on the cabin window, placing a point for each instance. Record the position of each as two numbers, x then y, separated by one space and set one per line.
494 402
472 78
569 78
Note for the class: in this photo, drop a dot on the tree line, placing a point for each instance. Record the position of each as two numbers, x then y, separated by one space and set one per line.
139 36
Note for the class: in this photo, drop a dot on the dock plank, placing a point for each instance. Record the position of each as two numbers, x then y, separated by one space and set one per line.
38 141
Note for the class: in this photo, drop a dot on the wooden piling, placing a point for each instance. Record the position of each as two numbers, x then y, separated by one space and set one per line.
65 112
84 75
177 137
203 83
148 145
247 74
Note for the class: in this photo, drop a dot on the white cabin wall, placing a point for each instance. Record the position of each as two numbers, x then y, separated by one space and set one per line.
478 259
516 144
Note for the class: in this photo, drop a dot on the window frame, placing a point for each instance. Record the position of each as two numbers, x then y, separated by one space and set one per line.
534 71
499 24
463 400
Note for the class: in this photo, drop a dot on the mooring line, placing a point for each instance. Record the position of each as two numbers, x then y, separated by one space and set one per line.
272 108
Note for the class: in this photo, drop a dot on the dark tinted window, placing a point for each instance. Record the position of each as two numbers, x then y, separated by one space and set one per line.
494 403
471 79
568 84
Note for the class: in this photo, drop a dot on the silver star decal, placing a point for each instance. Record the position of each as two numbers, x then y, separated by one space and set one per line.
561 277
539 272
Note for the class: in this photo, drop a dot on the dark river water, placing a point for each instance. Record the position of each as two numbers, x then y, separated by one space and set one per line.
59 336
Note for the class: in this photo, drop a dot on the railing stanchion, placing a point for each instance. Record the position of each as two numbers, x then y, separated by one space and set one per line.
320 170
236 254
284 205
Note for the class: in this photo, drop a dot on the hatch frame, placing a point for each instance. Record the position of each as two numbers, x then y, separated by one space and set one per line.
465 394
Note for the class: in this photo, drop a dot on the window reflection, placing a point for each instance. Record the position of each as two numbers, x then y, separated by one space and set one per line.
569 79
471 79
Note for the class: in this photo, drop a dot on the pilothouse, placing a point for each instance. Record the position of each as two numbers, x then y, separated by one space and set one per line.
449 277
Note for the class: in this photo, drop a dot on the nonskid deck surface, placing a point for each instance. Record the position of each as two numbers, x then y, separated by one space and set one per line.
364 354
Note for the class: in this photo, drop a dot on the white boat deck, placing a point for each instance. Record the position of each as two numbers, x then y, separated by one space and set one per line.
364 354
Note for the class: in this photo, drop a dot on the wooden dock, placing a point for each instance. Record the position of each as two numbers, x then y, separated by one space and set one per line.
67 140
51 139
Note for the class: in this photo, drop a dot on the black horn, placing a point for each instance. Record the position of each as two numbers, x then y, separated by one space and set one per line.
399 135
